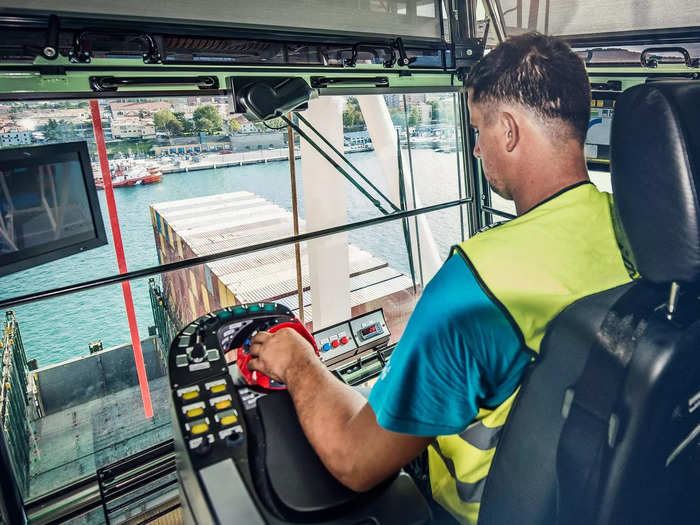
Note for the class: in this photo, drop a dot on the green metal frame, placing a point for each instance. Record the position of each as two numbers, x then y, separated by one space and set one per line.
51 79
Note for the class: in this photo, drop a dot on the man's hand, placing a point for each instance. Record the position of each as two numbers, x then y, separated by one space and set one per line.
281 355
337 420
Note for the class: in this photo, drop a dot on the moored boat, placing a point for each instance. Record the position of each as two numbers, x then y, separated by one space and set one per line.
131 177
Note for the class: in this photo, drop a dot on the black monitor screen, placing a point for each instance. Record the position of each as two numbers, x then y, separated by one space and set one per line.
48 205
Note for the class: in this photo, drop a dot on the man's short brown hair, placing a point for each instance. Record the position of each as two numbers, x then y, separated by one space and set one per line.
539 72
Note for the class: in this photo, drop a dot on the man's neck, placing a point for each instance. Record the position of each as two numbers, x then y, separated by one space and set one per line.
544 179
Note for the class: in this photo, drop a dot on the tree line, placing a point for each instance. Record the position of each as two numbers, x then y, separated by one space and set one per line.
204 119
354 121
207 119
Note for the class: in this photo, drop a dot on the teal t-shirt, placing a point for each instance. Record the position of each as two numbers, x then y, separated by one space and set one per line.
458 353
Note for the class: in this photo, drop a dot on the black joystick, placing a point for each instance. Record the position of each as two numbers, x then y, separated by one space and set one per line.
198 353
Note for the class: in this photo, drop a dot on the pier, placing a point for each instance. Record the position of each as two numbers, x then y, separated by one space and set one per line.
261 156
206 162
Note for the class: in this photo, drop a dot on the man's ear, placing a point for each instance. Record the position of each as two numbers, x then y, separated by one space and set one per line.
511 131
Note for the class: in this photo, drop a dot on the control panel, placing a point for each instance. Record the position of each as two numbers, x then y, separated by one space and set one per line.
204 398
353 337
241 454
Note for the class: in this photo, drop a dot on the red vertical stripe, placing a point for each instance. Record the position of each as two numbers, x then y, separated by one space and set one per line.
121 259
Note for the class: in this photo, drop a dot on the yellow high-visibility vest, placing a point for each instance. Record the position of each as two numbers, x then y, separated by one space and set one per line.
532 267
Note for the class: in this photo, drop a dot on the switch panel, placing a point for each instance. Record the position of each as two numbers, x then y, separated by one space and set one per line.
349 338
335 341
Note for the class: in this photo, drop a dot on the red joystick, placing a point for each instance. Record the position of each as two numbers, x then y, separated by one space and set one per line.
256 378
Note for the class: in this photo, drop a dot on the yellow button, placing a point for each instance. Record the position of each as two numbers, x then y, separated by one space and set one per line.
193 394
194 412
200 428
228 420
223 404
218 388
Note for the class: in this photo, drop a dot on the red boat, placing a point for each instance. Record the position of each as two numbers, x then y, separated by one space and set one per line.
131 177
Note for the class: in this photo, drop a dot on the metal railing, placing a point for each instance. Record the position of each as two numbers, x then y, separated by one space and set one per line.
137 489
14 415
137 481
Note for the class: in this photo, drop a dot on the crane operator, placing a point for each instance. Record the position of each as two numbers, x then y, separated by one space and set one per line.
454 374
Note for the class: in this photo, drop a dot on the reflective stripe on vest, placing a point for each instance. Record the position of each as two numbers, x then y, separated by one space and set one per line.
532 268
468 492
482 437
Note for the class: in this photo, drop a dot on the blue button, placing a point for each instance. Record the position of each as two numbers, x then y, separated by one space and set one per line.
269 307
253 308
224 314
326 347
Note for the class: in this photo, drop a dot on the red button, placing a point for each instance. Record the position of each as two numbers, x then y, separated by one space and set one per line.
344 340
335 343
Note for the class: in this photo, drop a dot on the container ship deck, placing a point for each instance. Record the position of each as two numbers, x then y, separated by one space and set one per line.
207 225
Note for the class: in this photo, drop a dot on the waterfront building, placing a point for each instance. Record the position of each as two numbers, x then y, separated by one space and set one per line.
357 140
424 112
14 136
41 116
136 109
393 100
246 125
192 146
415 98
126 128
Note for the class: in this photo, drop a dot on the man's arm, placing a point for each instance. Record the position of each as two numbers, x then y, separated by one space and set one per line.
338 422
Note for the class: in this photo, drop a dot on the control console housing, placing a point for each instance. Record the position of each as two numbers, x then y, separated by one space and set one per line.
241 454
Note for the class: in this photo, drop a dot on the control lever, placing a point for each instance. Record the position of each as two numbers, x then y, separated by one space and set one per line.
243 356
199 350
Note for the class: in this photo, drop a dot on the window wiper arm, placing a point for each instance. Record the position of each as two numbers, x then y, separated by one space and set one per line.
337 166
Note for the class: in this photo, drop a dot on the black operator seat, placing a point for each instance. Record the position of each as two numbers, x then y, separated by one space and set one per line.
606 428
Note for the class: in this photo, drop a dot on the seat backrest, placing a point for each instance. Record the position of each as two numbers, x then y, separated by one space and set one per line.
651 471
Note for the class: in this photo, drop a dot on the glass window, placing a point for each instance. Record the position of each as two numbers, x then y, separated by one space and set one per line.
159 163
83 406
191 180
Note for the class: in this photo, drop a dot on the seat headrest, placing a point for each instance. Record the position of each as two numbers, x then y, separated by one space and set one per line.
655 167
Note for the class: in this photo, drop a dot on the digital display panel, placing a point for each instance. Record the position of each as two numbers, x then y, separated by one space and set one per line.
369 330
597 144
48 205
